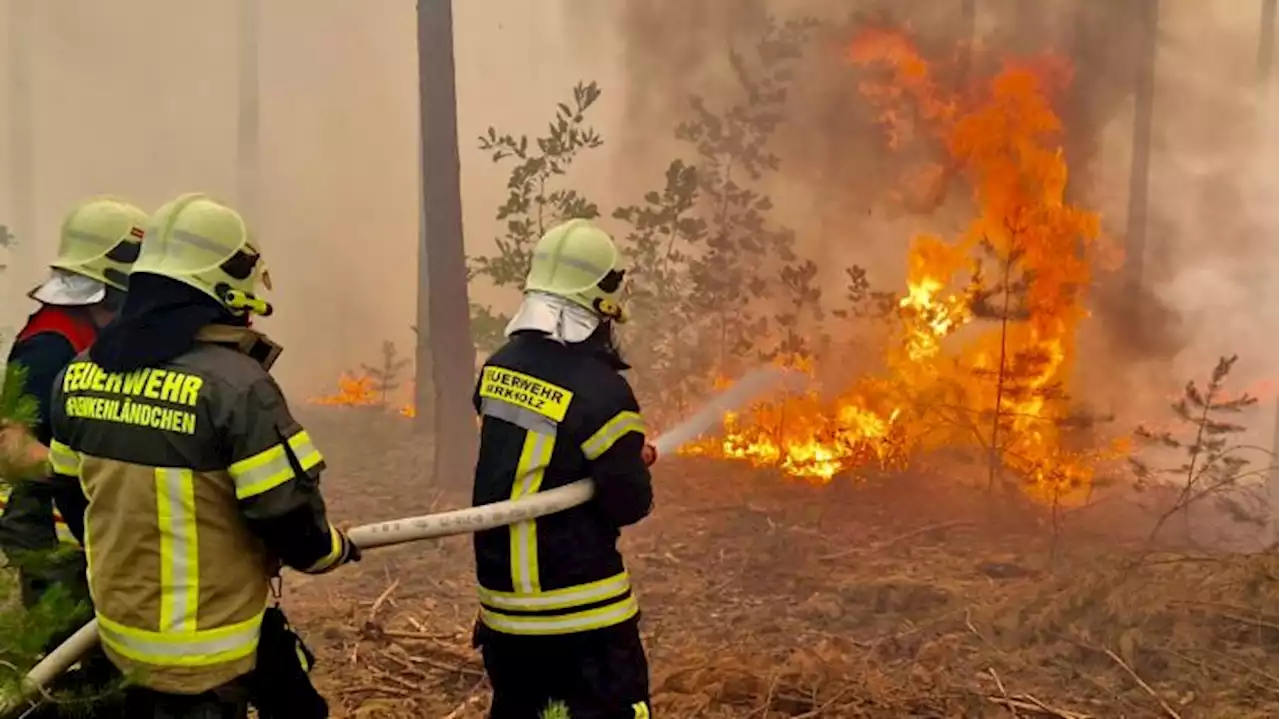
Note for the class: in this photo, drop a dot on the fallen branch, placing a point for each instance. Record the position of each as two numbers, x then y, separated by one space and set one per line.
377 603
1004 693
883 545
1028 703
1168 710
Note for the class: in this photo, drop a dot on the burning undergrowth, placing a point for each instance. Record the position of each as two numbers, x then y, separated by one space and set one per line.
983 347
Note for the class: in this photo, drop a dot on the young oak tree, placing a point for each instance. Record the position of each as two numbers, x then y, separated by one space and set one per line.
743 249
665 233
707 258
536 198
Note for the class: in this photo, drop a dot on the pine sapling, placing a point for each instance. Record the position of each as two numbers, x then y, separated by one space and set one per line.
1215 466
20 456
385 377
555 710
16 406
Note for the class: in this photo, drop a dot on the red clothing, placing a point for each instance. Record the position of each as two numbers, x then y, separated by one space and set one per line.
70 324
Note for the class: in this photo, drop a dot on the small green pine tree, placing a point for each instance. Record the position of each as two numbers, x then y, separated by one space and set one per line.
15 406
555 710
386 374
26 632
1214 465
22 633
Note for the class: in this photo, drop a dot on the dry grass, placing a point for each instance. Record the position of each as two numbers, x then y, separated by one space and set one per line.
767 599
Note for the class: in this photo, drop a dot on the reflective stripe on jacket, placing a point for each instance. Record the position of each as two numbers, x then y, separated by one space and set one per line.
553 414
175 462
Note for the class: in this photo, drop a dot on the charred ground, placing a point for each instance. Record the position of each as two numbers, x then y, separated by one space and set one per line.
907 595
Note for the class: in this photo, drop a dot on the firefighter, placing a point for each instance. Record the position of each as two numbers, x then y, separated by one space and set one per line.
198 482
99 242
558 619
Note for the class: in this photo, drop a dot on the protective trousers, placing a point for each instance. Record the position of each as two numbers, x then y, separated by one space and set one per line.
600 674
230 701
30 543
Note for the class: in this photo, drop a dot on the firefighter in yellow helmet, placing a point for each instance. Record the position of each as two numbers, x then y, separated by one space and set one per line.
197 480
98 244
558 619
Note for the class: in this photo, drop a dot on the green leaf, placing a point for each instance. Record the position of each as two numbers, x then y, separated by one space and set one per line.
16 405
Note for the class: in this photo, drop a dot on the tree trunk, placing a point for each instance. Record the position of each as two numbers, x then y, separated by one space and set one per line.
1080 116
247 143
445 371
1267 41
1272 484
968 34
1140 170
20 215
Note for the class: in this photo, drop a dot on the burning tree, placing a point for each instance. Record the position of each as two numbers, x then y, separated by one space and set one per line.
983 337
1027 256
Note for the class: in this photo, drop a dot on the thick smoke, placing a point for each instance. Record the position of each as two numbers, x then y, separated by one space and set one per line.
138 98
1211 248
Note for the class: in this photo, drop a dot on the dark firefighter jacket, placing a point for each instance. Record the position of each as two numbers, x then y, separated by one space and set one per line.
50 339
553 414
195 479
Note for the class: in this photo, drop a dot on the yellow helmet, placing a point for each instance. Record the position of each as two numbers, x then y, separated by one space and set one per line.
203 243
578 261
100 239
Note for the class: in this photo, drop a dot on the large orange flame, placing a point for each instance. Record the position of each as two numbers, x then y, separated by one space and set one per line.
996 385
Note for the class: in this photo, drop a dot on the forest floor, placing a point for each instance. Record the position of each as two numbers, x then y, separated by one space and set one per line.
765 597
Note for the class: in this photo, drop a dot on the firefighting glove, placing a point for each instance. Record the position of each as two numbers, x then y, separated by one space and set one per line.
21 456
649 454
345 551
350 552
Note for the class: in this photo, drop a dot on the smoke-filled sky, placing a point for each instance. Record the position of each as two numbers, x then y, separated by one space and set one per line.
139 98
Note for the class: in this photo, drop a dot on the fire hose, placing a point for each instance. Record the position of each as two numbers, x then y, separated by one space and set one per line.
446 524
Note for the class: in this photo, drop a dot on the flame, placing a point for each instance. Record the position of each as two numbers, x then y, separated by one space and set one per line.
360 391
353 391
953 377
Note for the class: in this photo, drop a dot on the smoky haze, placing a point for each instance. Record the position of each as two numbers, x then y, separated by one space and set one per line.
139 98
1212 248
